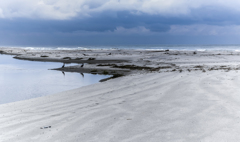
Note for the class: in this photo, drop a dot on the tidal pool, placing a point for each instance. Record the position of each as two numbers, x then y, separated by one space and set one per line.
21 80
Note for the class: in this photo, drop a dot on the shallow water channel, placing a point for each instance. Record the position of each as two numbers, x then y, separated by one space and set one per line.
21 80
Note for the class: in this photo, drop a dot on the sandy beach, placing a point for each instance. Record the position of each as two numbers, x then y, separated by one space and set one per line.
161 96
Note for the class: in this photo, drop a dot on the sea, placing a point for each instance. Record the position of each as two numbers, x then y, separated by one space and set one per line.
137 47
22 80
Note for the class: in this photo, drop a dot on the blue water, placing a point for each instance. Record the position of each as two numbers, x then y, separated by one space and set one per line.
21 80
147 47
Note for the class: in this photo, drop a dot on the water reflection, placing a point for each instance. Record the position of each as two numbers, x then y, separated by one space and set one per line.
82 74
20 80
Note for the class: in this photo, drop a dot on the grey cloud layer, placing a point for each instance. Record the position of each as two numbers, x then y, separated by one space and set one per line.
61 18
64 9
111 20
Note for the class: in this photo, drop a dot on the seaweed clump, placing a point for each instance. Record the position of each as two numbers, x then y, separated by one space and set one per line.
44 56
65 58
114 76
91 58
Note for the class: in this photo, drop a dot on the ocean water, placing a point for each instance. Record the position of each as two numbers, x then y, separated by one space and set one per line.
21 80
144 47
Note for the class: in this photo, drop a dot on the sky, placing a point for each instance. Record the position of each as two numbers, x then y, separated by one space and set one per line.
118 22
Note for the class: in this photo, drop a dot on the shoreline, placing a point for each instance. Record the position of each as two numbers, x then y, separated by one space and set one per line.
125 62
168 95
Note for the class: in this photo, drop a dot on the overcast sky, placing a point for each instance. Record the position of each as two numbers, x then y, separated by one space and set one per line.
104 22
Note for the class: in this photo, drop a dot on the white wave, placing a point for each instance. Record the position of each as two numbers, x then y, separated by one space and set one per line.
54 48
201 50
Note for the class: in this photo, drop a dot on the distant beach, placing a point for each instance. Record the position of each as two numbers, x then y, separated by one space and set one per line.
156 95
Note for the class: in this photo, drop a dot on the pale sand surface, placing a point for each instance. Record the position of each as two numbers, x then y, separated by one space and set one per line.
163 105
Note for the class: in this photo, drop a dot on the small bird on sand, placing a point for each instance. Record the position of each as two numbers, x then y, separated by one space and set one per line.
63 65
63 73
82 65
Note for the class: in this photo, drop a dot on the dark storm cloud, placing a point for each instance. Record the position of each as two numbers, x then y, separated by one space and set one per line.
110 20
214 16
97 23
97 26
